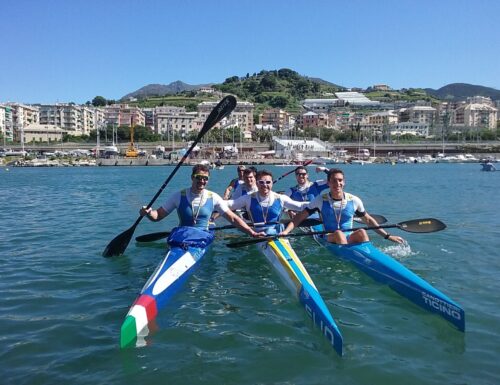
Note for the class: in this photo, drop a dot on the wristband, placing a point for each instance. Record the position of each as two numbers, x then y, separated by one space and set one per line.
387 236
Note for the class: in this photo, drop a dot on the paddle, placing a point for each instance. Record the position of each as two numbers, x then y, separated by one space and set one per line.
163 234
118 245
379 218
292 171
426 225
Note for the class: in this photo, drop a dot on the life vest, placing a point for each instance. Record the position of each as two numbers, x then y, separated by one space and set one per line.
266 218
329 215
309 193
203 213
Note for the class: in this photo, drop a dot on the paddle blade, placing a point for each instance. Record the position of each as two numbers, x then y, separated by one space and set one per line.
152 237
118 245
425 225
221 110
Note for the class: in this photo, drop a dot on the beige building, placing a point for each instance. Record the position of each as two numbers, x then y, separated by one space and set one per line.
475 115
418 114
276 117
182 122
23 115
42 133
242 115
382 118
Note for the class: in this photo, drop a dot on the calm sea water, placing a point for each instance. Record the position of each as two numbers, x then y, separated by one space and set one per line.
62 304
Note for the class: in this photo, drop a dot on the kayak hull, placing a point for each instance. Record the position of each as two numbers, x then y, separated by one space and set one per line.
387 270
282 257
168 278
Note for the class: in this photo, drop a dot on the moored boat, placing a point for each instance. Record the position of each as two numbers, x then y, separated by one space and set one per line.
283 258
171 273
387 270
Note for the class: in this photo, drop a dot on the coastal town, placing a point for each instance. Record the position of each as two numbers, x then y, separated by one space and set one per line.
342 127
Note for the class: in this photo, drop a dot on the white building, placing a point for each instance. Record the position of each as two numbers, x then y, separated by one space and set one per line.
74 119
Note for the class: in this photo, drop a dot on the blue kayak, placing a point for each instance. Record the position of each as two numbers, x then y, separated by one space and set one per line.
387 270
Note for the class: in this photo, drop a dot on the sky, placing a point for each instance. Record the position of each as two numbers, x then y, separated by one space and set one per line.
72 50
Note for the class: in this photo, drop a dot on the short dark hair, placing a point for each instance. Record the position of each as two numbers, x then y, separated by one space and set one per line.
200 167
333 171
262 173
249 170
300 168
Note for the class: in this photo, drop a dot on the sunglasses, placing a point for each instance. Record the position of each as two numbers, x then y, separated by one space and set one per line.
264 182
301 174
199 177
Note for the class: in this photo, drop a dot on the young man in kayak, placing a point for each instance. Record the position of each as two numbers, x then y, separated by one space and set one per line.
265 206
305 190
337 209
195 205
248 186
234 182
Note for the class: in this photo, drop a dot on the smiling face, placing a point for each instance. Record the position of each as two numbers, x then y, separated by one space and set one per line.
199 181
265 184
301 176
249 178
336 183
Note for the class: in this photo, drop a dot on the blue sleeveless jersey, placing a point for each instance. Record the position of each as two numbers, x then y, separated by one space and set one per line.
186 215
329 215
308 194
266 215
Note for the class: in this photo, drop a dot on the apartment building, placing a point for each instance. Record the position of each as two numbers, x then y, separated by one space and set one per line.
276 117
182 122
312 120
6 124
74 119
242 115
418 114
124 115
23 115
382 118
475 115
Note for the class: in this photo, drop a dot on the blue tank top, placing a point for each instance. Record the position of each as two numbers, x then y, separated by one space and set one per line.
309 193
201 215
329 215
266 215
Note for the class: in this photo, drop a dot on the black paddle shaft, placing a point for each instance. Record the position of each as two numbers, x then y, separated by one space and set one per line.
426 225
118 245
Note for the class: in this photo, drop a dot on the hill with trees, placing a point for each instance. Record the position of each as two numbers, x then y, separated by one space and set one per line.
461 91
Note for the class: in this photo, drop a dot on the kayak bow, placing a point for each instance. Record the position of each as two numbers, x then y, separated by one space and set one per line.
282 257
168 277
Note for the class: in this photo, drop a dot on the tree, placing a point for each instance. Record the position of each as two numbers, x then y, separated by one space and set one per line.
99 101
279 101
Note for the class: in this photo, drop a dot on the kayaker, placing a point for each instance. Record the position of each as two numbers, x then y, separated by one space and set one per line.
195 205
248 186
305 190
337 209
265 206
234 182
